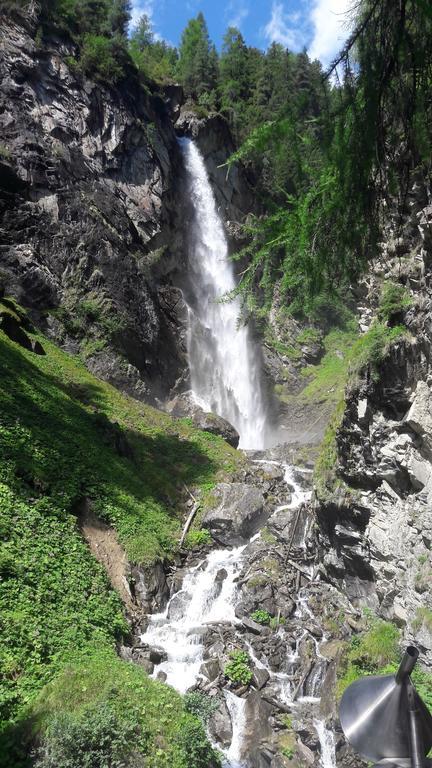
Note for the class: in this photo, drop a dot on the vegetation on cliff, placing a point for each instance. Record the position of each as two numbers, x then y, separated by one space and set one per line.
376 651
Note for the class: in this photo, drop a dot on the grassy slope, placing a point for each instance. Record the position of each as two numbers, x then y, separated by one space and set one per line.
60 432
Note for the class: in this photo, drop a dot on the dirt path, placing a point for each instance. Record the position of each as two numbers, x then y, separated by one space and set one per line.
103 543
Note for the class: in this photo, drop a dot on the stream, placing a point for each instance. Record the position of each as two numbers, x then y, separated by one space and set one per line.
225 379
208 597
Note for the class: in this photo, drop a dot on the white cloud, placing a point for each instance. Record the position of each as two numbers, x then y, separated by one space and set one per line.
285 28
139 7
236 12
331 22
323 26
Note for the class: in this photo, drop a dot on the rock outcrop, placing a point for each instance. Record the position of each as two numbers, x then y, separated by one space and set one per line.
184 406
237 514
376 527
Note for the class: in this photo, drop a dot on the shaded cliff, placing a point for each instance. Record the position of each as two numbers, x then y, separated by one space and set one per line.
93 216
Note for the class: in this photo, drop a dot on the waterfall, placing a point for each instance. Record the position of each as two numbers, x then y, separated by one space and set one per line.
224 364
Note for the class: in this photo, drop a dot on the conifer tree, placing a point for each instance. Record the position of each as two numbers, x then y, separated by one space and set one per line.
197 66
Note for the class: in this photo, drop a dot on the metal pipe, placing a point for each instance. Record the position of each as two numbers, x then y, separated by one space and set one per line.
407 664
416 736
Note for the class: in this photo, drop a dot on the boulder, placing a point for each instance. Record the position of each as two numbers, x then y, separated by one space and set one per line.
219 725
178 605
150 587
184 406
253 626
210 669
260 678
238 514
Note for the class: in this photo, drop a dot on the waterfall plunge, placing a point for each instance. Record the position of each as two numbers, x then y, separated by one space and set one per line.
224 366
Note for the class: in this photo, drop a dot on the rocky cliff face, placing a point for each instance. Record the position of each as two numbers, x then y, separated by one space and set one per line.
376 527
92 212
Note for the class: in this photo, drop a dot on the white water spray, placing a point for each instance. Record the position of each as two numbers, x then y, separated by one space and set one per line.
224 367
237 709
327 743
207 595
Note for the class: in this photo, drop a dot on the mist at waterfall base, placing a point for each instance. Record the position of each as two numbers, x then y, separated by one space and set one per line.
224 362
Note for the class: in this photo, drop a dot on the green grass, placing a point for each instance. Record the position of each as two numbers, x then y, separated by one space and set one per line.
377 651
328 378
66 436
151 716
394 300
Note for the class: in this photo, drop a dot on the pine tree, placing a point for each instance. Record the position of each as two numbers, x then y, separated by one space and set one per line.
197 65
119 15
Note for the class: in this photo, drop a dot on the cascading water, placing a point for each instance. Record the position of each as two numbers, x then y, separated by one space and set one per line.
209 595
327 742
204 598
224 365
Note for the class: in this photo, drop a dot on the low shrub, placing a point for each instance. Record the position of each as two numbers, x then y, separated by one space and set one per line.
395 300
200 705
262 617
96 737
198 539
238 669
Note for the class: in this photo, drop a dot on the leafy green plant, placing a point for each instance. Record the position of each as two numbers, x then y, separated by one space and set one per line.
198 539
261 617
238 668
288 752
201 705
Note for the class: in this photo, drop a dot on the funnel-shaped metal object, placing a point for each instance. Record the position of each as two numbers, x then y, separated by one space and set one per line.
385 719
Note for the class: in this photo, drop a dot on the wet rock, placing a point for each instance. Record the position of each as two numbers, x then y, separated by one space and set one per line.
210 669
260 678
419 416
257 729
253 626
178 605
150 587
220 726
157 655
237 515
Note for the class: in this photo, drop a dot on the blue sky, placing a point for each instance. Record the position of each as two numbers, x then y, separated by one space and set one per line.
319 25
